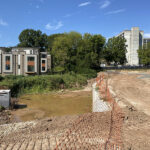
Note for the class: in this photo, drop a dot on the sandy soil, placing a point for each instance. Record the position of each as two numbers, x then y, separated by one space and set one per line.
132 91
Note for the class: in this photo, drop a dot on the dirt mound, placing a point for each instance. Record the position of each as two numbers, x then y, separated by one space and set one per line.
132 93
49 132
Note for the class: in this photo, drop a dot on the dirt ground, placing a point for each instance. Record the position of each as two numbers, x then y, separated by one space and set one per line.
132 91
46 134
134 88
5 117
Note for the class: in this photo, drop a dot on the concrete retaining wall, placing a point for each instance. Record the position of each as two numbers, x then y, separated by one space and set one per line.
98 104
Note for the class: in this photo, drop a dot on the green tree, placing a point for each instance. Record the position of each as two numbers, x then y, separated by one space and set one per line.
97 42
8 49
74 52
51 39
115 50
75 40
90 51
144 54
33 38
59 53
64 51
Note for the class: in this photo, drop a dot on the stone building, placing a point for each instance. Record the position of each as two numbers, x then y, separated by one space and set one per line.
134 40
24 61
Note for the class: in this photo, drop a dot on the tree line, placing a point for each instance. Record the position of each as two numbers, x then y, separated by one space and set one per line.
144 54
76 52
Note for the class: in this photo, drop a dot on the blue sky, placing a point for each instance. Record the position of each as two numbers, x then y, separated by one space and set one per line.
106 17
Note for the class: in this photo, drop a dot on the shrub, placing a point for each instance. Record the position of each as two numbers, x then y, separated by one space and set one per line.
89 73
37 84
1 78
1 108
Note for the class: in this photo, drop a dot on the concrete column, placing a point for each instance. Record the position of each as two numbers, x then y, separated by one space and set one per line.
49 64
134 45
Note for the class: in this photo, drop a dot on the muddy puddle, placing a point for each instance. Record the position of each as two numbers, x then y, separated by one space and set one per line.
49 105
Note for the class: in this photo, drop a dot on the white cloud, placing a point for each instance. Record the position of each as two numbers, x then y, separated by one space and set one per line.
105 4
147 35
54 26
84 4
115 11
3 23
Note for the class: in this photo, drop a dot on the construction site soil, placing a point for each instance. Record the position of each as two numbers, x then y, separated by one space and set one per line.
131 91
5 117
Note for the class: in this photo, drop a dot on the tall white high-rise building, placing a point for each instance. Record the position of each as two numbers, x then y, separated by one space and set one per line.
134 40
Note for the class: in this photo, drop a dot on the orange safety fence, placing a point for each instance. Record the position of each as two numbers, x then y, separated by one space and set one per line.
116 116
84 131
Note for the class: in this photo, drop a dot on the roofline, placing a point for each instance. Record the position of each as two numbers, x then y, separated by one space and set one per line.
130 30
146 38
2 47
126 31
26 47
21 47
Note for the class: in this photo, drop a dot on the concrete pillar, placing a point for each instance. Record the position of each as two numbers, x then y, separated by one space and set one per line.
49 65
135 33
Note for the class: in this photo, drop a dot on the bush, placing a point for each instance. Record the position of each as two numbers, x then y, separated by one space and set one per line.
1 78
1 108
89 73
44 83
